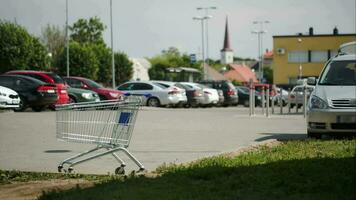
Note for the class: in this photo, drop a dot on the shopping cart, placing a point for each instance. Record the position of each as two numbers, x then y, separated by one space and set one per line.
107 124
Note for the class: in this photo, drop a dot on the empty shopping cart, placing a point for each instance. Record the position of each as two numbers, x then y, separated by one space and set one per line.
107 124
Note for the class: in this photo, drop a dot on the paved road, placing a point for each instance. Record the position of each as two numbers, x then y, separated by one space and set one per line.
161 135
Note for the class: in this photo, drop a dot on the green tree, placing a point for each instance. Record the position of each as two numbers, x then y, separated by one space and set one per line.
268 74
54 38
19 49
82 61
88 31
123 68
103 55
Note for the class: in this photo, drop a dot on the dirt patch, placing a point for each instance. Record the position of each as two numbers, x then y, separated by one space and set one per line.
33 189
268 143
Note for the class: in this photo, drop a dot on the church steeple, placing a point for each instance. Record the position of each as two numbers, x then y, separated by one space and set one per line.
226 38
227 54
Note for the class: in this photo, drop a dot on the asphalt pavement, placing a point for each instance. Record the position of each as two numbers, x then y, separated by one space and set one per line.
161 135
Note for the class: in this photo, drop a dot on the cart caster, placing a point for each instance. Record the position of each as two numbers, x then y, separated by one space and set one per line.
120 170
70 170
141 171
60 167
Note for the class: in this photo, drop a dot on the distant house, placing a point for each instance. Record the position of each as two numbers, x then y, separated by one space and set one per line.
140 69
214 74
184 74
240 73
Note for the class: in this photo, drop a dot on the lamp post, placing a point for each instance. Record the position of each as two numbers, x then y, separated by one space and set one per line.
67 38
299 59
260 33
207 28
112 49
201 19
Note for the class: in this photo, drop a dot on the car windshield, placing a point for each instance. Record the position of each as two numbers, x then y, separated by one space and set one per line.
158 85
93 84
244 89
201 86
339 73
56 78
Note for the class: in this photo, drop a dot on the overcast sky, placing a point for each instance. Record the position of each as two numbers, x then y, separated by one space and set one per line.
143 28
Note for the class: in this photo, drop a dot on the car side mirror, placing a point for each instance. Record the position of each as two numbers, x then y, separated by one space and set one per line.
311 81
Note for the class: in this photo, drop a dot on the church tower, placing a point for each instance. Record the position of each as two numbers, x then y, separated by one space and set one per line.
227 54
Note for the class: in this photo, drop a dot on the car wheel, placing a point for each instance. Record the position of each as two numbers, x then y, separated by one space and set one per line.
153 102
38 108
22 105
72 100
246 103
314 135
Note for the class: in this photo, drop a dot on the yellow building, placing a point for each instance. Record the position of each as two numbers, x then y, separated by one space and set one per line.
300 56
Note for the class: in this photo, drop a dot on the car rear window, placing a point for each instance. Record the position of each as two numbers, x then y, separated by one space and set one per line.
56 78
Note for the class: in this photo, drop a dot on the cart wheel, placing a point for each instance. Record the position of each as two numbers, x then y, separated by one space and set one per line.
141 171
70 170
120 170
60 167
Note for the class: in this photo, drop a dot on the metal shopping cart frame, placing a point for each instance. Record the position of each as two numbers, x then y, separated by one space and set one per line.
107 124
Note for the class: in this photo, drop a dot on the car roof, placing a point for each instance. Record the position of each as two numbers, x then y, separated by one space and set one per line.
24 77
345 57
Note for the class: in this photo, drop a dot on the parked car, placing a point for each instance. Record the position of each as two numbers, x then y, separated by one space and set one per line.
180 91
8 98
87 84
280 99
153 94
296 96
332 106
80 95
33 92
230 94
244 96
51 78
211 96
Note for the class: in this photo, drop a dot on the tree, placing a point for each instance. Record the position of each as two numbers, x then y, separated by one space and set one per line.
82 61
268 74
19 49
103 55
123 68
54 39
88 31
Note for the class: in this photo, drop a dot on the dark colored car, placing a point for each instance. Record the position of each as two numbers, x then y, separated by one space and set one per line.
80 95
244 96
33 92
230 94
51 78
87 84
194 96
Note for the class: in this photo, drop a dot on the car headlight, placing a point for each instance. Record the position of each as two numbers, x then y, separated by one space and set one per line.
115 95
317 103
87 95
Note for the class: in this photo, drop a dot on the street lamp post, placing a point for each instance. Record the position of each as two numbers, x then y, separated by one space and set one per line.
299 59
207 28
112 49
260 33
67 38
201 19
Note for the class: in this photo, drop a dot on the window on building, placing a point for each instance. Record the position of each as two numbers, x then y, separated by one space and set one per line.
297 56
319 56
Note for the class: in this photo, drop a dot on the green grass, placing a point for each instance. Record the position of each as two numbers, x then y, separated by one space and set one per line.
294 170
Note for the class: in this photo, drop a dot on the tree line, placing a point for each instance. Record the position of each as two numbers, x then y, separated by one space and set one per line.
89 56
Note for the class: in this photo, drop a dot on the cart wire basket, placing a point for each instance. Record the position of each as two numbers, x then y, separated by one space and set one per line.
107 124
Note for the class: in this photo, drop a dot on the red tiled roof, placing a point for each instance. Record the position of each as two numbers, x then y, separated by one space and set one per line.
240 73
268 54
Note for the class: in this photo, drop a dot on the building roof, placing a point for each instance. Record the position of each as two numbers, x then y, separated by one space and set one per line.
214 75
226 46
314 35
241 73
268 54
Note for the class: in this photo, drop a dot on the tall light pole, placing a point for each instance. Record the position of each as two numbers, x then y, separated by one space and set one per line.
207 28
67 38
201 19
260 33
299 59
112 49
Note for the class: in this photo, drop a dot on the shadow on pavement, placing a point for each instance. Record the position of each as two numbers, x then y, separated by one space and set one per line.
282 136
57 151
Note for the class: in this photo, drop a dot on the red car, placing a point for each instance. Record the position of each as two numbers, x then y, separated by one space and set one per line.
84 83
48 77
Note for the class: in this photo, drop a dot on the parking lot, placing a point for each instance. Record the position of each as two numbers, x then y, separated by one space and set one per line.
161 135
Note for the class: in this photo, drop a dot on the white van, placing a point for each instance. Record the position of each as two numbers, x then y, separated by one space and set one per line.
332 106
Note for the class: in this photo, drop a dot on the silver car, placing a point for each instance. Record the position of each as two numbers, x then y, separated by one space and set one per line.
153 94
211 96
332 106
180 93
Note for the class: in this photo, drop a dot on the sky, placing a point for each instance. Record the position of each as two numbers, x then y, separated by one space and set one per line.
143 28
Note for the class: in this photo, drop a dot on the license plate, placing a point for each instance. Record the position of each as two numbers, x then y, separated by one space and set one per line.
50 91
346 119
